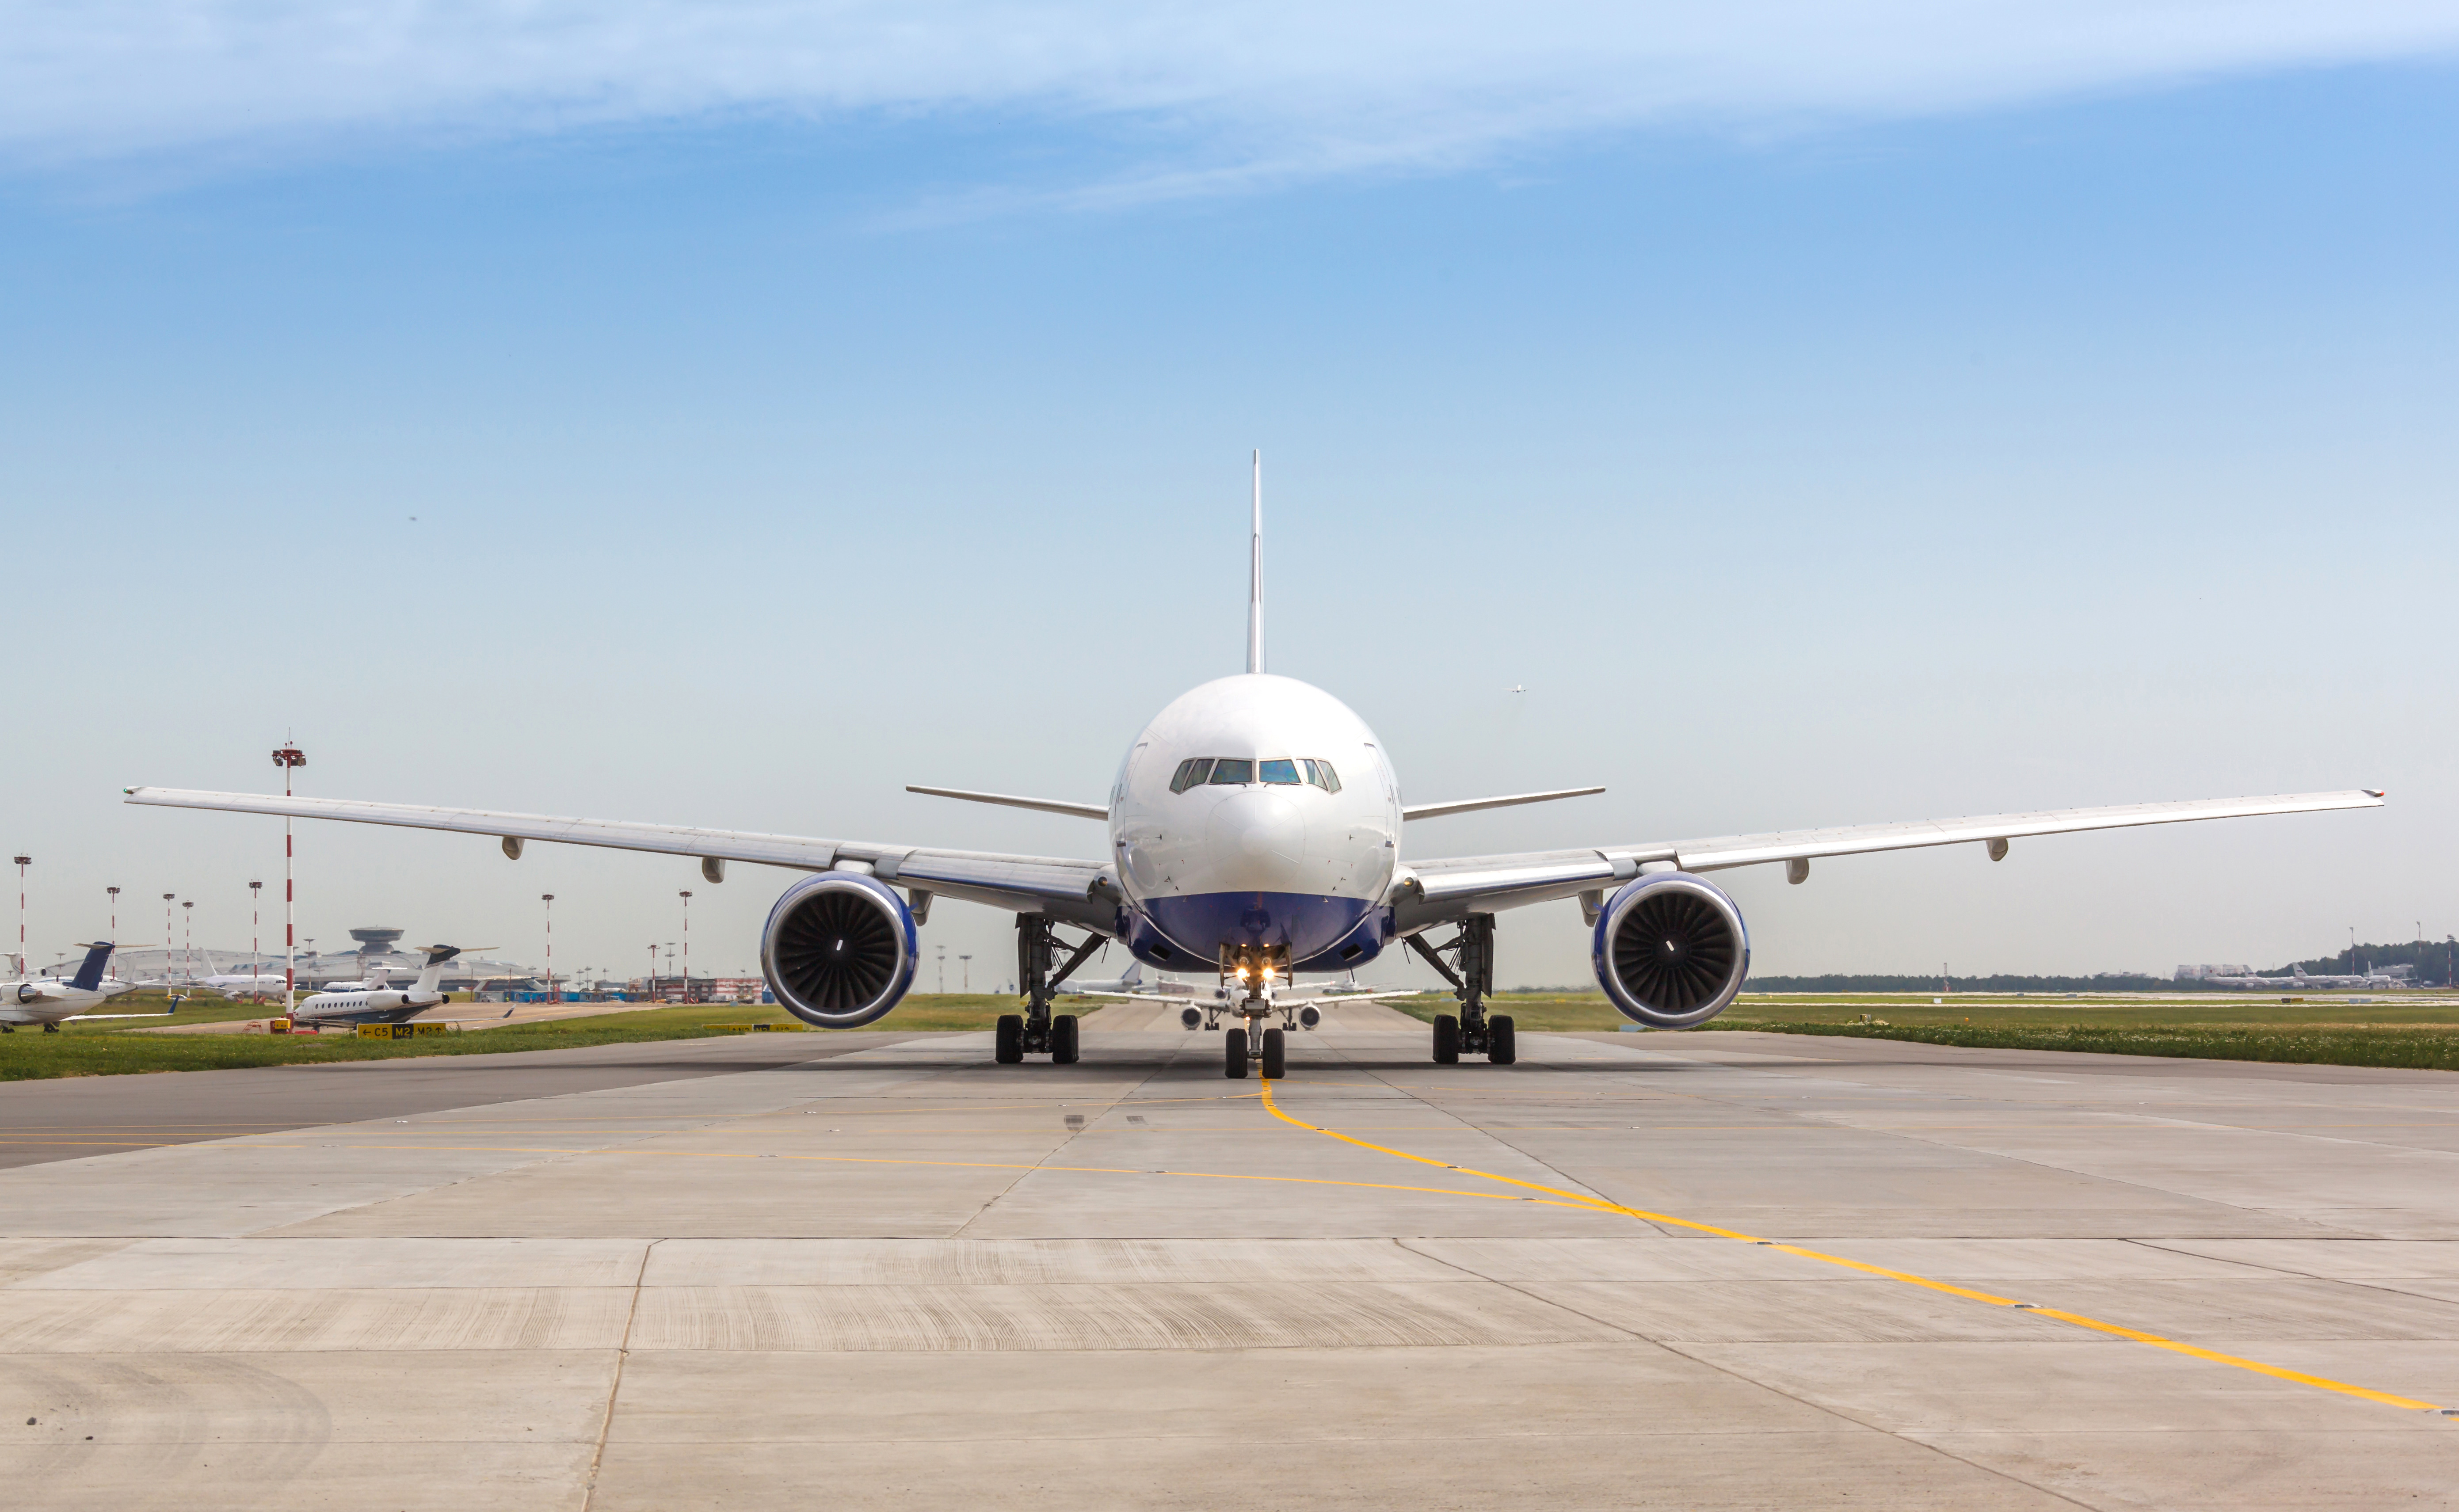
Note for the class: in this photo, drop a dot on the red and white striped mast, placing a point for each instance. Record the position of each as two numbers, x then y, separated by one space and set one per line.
548 898
22 862
289 758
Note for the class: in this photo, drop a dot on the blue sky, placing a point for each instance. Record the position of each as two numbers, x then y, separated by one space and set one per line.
1942 434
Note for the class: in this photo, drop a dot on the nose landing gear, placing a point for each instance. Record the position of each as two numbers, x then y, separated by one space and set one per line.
1259 971
1473 1032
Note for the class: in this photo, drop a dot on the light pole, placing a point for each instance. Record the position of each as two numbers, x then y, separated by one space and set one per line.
114 916
965 964
188 942
255 925
686 897
22 862
289 758
548 898
651 996
943 971
168 898
2352 950
671 963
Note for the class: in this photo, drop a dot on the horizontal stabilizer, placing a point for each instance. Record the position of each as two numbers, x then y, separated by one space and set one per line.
1472 805
1008 801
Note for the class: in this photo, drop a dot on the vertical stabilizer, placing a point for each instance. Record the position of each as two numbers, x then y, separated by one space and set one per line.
88 976
1255 577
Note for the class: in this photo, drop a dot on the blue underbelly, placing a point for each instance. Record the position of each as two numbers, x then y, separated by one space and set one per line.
1185 932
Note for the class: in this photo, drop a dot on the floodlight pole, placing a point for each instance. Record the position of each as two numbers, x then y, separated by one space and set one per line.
254 929
943 971
114 916
289 758
548 898
686 896
22 862
188 943
168 898
965 964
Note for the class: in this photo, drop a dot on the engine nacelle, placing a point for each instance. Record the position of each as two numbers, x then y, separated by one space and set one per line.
1670 950
839 949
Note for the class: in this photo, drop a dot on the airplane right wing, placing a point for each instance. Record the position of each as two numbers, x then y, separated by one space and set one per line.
1434 891
1079 892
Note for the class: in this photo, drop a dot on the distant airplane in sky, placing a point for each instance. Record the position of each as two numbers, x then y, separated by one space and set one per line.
1254 832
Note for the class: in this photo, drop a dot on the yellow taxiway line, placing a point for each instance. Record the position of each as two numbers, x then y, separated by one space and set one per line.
1908 1278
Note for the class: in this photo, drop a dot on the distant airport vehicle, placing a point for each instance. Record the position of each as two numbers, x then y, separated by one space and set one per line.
52 1000
1254 833
2295 980
375 1002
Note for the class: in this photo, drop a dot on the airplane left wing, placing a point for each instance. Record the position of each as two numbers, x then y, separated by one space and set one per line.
1080 892
1432 891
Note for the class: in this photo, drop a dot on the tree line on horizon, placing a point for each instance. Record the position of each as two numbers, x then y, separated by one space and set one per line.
2436 963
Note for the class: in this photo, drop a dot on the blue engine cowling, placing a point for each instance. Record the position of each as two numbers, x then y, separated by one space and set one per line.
1670 950
839 949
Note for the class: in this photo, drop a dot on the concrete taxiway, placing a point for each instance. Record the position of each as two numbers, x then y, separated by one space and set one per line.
1714 1269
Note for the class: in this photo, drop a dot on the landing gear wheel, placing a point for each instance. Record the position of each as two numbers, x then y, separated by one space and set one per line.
1501 1043
1007 1041
1233 1054
1446 1040
8 1028
50 1028
1063 1040
1276 1060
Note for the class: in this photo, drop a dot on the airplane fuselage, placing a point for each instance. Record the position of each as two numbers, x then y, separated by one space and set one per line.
1259 811
51 999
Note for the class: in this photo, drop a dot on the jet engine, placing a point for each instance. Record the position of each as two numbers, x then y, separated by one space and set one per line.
1670 950
839 949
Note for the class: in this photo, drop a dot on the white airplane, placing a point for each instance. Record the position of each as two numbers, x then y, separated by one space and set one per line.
1254 832
371 1001
52 1000
257 984
2295 980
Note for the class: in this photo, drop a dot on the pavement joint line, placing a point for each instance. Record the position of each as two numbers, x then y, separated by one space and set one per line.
1908 1278
1573 1200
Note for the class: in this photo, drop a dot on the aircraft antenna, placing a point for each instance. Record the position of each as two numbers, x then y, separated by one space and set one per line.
1255 577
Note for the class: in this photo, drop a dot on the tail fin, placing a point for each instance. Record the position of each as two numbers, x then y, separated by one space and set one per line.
1255 577
1133 976
88 976
434 972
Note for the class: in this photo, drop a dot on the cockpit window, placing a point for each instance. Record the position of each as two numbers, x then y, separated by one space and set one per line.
1321 774
1190 771
1278 771
1231 770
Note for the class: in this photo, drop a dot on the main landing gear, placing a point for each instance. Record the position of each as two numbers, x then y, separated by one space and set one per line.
1472 1032
1037 1031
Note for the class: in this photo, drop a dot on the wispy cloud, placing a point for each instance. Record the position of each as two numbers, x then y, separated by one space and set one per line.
1215 96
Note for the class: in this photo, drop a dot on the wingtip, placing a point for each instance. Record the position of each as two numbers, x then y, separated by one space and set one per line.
2375 792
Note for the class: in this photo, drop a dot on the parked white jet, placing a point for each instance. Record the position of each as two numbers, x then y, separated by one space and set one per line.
260 985
52 1000
1254 832
371 1001
2295 980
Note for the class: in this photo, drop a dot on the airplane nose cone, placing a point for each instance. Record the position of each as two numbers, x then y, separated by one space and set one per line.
1261 830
